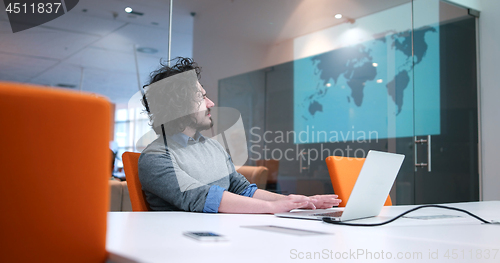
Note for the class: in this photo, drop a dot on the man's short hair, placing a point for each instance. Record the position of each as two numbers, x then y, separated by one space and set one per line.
174 102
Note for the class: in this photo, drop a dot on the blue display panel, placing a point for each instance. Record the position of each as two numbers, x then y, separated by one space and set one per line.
370 90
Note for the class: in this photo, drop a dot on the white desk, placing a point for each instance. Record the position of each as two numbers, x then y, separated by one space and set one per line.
157 237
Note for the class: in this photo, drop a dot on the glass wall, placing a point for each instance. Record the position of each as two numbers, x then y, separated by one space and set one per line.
130 125
451 152
364 75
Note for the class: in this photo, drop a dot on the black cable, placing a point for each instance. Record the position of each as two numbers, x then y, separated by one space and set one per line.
164 137
330 221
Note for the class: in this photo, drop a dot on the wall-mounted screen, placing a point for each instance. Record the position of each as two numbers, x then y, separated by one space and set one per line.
362 81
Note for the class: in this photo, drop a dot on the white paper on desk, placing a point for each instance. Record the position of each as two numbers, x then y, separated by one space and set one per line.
431 217
288 230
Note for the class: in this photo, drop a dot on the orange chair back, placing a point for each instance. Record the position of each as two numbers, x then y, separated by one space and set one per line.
54 190
344 172
131 167
273 166
255 175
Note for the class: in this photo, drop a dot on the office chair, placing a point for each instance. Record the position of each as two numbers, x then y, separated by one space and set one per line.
255 175
131 168
272 178
344 172
54 176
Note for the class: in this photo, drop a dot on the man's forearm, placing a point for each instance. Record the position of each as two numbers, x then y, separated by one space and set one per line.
266 195
233 203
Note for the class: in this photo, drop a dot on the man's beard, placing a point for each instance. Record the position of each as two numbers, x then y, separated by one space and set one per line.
202 127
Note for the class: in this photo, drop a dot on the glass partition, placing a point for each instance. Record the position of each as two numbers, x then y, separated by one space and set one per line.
366 75
346 89
447 141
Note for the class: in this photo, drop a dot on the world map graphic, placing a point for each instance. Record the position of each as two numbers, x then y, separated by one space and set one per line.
368 75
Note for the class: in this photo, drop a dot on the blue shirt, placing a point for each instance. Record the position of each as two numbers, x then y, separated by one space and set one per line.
189 174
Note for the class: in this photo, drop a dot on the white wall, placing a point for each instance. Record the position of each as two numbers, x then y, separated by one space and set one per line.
490 95
239 56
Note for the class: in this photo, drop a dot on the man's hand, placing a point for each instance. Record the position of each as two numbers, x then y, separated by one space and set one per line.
269 203
290 202
320 201
325 201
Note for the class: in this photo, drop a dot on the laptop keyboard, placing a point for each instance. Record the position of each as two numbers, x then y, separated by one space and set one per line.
330 214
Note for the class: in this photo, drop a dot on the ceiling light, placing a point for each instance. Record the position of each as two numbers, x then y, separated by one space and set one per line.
379 81
328 84
128 9
375 64
338 16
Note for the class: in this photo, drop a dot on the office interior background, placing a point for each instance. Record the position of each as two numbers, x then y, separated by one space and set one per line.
380 76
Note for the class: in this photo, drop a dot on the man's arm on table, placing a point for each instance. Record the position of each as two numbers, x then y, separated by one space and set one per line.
318 201
233 203
267 202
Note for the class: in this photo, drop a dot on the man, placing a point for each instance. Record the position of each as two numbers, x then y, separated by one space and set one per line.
183 170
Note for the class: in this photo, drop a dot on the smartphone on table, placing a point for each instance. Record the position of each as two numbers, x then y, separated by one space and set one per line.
205 236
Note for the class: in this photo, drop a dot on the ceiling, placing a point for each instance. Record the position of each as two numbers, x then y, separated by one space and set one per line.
92 46
266 21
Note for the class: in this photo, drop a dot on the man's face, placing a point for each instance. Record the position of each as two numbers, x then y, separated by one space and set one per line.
202 112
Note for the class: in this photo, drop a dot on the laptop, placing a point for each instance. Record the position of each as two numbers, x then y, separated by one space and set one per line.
369 193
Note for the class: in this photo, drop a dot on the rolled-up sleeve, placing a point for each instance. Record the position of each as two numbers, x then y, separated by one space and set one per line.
249 191
214 197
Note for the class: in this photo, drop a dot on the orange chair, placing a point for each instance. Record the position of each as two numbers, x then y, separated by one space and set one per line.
344 172
273 166
54 189
255 175
131 167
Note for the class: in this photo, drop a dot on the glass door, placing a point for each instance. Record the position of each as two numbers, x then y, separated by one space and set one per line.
445 99
396 77
344 88
353 92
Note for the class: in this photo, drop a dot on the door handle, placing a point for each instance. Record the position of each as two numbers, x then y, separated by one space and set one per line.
429 157
301 164
429 153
